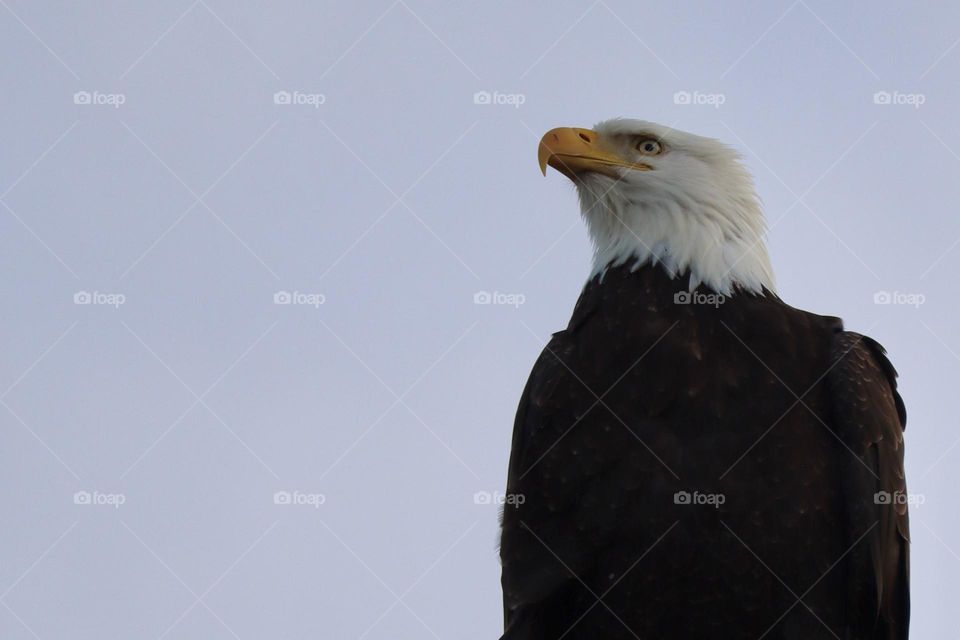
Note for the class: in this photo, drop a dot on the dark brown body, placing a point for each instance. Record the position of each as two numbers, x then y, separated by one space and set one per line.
792 424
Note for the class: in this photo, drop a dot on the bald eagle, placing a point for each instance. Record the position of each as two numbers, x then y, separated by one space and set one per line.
697 458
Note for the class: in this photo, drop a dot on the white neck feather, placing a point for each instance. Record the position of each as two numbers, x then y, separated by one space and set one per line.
719 243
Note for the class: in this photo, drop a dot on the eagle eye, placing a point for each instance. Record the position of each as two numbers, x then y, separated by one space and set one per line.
649 147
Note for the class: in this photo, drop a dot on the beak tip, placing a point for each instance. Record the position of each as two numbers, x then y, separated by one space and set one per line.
543 157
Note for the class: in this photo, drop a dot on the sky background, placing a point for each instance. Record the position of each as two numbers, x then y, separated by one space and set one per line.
157 200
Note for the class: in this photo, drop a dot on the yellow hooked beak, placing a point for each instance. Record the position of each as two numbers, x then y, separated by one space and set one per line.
573 151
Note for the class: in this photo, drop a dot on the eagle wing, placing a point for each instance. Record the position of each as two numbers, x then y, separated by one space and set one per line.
535 566
869 416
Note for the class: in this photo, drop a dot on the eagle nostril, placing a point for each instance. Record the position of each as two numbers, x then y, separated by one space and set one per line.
585 137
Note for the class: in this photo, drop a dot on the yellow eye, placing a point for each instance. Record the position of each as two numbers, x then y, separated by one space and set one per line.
649 147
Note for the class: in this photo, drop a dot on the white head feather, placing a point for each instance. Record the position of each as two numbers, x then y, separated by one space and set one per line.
696 210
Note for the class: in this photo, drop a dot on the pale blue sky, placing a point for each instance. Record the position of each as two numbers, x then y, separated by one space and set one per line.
388 195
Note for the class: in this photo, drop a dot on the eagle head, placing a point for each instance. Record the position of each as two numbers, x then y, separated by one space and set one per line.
654 195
